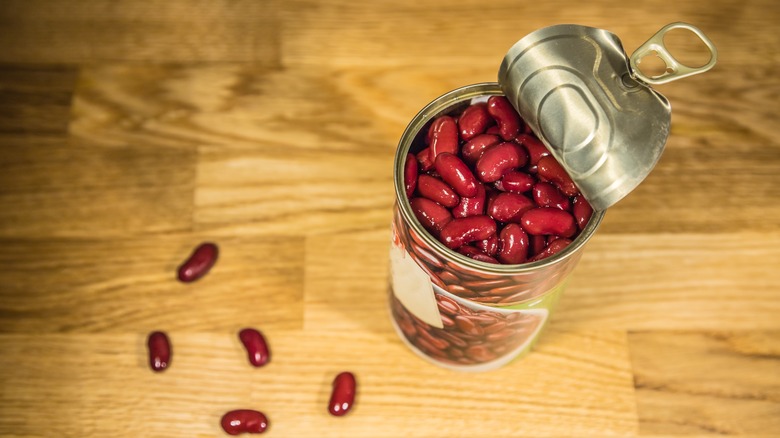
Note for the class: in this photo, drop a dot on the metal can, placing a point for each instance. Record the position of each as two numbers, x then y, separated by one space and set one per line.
596 113
453 310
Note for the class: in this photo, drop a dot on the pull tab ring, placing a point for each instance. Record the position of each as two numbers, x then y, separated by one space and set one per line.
674 69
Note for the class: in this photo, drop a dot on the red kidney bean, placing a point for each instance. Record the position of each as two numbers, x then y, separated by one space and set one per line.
448 277
552 171
244 421
476 254
424 159
471 206
199 263
444 136
474 121
509 207
437 190
457 174
513 245
489 246
447 305
431 215
474 148
506 117
159 351
468 326
516 182
480 353
536 149
256 347
548 220
410 174
582 211
342 398
493 130
553 248
461 231
498 159
547 195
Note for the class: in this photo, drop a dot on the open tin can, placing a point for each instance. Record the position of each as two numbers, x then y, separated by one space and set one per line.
575 89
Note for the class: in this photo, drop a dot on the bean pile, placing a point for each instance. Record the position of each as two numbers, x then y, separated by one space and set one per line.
469 337
486 187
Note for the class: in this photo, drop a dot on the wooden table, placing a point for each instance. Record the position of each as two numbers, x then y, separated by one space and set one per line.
131 131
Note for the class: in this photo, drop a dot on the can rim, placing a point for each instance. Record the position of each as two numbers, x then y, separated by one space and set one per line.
435 108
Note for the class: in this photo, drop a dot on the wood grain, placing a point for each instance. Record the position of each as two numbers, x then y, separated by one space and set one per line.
691 383
675 281
129 133
209 375
128 285
163 31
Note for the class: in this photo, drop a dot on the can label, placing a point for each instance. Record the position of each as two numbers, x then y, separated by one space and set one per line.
412 287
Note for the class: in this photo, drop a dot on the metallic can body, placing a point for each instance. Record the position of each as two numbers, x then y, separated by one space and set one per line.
451 309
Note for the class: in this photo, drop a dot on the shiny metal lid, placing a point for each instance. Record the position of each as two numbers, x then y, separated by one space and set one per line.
576 88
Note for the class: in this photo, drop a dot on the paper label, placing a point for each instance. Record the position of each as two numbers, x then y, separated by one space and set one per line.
413 288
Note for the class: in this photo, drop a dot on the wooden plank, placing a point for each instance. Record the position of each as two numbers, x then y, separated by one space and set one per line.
35 99
51 187
675 281
239 106
88 31
577 383
129 284
714 383
389 32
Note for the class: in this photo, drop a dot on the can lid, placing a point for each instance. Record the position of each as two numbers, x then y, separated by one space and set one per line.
592 106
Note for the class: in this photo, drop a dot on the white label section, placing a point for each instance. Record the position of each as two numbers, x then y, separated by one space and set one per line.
413 288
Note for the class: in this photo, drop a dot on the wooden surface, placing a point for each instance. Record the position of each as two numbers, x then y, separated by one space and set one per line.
131 131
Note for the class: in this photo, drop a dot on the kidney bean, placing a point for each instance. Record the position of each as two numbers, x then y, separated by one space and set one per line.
461 231
431 215
471 206
199 262
480 353
256 346
437 190
444 136
516 182
447 305
474 121
495 327
244 421
424 160
437 343
342 398
474 148
493 130
476 254
159 351
468 326
410 174
553 248
489 246
582 211
498 159
513 245
509 207
506 117
548 220
536 149
547 195
552 171
457 174
448 277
